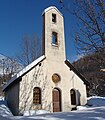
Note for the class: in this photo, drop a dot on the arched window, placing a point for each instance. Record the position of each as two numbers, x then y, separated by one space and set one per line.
73 96
36 95
54 38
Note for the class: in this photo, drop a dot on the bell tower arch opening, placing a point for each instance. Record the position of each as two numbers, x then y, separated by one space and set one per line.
53 18
54 38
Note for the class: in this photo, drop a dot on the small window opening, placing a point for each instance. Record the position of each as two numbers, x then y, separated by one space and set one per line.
53 17
54 38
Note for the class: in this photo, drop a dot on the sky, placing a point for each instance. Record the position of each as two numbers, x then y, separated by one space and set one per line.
24 17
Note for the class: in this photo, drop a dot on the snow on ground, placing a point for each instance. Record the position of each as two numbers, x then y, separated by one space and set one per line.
94 111
4 110
96 101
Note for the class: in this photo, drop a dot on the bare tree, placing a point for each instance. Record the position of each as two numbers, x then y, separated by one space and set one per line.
9 67
90 37
30 50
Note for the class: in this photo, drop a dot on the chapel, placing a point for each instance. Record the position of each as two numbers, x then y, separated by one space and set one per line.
50 82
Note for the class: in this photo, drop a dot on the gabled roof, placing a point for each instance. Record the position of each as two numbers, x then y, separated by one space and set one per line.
51 7
24 71
77 72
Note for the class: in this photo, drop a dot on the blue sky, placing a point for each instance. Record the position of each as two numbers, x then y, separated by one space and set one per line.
23 17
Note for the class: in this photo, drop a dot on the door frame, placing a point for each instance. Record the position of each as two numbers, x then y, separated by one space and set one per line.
60 99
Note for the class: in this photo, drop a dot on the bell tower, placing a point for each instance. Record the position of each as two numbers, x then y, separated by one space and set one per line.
53 35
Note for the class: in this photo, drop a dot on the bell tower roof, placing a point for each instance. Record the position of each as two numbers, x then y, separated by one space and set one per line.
51 7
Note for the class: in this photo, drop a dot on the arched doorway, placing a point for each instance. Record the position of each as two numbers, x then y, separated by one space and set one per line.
56 98
73 96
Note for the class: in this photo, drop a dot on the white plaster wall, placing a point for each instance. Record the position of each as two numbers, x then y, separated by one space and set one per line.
34 78
79 85
44 73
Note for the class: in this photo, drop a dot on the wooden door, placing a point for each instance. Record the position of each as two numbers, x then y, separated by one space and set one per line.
56 100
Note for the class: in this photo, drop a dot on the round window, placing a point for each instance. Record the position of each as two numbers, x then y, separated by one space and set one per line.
55 78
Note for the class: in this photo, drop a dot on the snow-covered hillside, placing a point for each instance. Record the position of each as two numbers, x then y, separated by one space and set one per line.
95 111
7 64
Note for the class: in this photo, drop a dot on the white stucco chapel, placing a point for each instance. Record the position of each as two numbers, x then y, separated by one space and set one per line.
50 82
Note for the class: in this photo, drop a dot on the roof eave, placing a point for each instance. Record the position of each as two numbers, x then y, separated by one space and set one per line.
24 71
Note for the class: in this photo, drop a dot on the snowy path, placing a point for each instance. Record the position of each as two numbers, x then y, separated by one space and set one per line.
96 113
